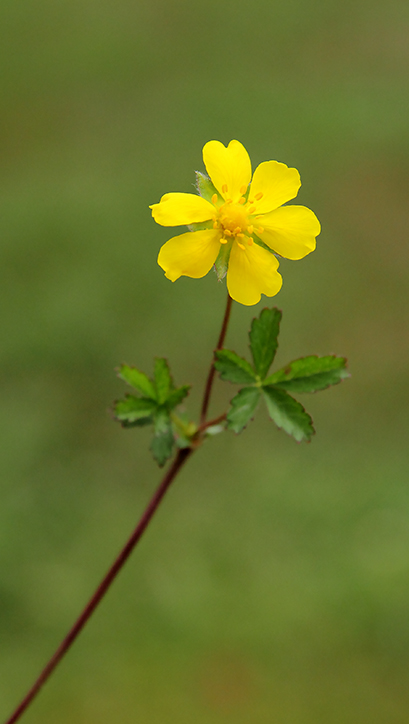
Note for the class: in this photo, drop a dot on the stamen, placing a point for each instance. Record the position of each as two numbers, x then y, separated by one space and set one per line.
227 232
250 228
243 189
215 225
252 210
250 240
260 230
240 235
237 230
242 200
224 188
241 246
223 241
259 196
214 199
250 201
229 201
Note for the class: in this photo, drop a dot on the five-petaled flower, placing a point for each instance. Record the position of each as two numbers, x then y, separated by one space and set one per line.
241 222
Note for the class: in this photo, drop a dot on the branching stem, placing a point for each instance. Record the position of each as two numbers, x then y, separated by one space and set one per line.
179 461
210 378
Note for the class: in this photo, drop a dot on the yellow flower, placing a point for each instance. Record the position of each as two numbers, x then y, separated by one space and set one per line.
240 225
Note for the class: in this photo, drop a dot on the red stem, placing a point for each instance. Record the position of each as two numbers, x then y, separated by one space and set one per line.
212 371
129 546
126 551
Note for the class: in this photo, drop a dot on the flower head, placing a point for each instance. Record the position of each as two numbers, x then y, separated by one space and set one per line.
237 223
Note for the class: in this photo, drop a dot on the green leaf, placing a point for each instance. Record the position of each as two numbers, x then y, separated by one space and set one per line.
138 380
233 368
134 410
222 262
243 407
177 396
205 187
163 440
310 374
288 414
163 379
264 339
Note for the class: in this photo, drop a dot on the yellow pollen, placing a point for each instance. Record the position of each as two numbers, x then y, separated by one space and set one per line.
223 241
229 201
237 230
250 228
214 199
242 200
215 225
240 235
252 210
243 189
241 246
260 230
259 196
224 188
250 240
227 232
250 201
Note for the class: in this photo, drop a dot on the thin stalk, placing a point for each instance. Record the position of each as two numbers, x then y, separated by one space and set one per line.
179 461
210 377
118 564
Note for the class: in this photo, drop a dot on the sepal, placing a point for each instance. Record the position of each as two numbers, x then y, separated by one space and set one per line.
205 187
222 262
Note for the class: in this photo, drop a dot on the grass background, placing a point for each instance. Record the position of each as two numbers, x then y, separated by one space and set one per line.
273 585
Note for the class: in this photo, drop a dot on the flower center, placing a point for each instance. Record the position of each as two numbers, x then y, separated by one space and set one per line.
232 219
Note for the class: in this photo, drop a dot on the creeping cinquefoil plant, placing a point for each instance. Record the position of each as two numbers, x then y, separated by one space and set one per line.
238 224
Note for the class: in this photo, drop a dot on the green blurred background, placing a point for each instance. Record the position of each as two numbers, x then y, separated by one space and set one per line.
273 585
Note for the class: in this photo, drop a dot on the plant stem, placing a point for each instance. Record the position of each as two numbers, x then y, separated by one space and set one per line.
210 378
179 461
89 609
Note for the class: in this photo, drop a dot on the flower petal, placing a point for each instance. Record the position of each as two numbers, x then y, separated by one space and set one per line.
179 209
290 231
229 167
252 271
192 254
276 183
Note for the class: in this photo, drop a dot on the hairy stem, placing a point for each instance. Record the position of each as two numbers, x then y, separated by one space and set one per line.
210 378
180 459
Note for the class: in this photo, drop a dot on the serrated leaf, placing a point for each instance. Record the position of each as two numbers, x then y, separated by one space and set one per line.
243 407
138 380
264 339
310 374
163 379
177 396
163 440
222 262
233 368
134 410
288 414
205 186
